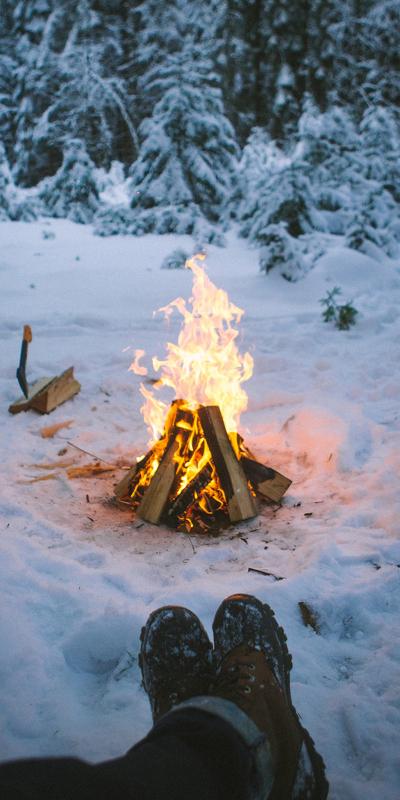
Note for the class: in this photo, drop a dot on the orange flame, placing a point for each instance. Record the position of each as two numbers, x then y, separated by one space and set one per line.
205 367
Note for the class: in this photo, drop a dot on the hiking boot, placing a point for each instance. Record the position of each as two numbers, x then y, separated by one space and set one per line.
252 669
175 658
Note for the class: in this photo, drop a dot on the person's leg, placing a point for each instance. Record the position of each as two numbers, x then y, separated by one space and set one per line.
191 753
253 666
188 755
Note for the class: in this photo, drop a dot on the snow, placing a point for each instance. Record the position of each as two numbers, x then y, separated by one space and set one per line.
79 577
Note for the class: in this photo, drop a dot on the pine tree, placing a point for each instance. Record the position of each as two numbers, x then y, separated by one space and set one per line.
275 51
69 87
8 64
187 160
72 192
6 185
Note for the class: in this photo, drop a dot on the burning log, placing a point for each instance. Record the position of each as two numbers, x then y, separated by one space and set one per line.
152 504
185 499
196 473
265 480
155 498
125 487
230 473
199 475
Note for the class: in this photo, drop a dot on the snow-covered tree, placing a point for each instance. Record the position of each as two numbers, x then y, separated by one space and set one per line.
183 177
6 184
72 192
8 65
275 51
274 189
13 204
69 86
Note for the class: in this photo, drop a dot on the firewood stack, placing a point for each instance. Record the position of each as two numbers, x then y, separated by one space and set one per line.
197 477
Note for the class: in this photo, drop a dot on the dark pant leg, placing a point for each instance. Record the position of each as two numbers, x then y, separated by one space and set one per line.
188 755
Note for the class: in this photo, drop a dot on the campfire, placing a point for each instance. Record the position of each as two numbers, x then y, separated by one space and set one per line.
198 475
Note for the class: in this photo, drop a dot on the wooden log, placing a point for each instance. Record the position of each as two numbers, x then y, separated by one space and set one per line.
268 482
156 496
58 391
233 481
23 403
125 487
184 500
153 502
274 488
255 472
122 487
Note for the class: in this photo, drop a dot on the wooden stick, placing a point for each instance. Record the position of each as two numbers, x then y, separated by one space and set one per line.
92 455
230 473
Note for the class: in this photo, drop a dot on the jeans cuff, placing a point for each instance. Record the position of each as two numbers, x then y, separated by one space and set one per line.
263 772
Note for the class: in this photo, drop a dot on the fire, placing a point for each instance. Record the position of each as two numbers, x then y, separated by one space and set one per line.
204 368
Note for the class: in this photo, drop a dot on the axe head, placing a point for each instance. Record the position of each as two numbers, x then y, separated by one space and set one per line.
22 364
22 380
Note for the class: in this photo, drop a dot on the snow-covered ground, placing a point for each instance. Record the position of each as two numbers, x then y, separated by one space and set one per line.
79 577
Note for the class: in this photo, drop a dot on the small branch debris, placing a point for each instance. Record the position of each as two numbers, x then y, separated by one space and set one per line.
310 617
48 433
263 572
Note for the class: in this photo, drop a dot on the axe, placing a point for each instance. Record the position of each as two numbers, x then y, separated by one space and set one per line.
22 363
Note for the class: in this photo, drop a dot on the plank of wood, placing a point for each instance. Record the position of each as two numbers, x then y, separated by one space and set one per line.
233 481
153 502
58 391
274 488
255 472
48 433
270 483
123 486
23 403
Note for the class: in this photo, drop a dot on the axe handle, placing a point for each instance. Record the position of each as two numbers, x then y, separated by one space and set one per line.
27 337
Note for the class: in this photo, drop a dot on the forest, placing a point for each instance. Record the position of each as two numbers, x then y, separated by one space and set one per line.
183 116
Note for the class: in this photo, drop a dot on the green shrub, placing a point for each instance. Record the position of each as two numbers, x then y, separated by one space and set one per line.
342 316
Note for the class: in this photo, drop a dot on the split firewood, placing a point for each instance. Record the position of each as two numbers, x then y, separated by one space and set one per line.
265 480
157 493
23 403
58 391
229 470
152 504
126 486
185 499
48 433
